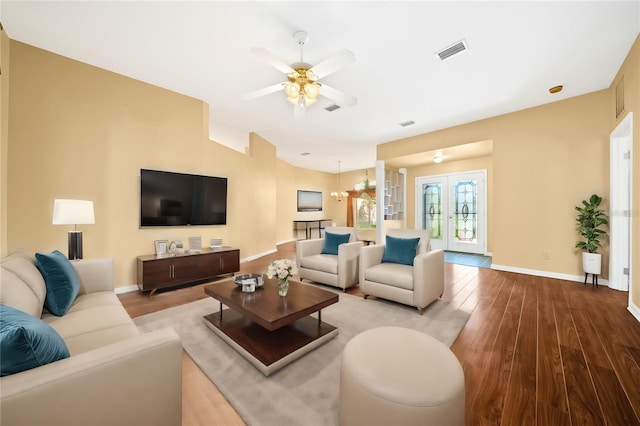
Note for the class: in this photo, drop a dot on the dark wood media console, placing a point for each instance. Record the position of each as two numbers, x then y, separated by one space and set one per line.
156 272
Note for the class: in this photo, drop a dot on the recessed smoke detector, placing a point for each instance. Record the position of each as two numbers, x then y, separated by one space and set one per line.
407 123
332 108
454 49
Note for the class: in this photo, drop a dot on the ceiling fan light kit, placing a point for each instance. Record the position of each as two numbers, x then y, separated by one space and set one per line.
302 88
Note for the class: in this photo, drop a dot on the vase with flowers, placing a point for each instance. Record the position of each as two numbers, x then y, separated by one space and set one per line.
282 269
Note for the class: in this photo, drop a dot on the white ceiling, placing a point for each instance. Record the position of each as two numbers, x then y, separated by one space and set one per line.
516 52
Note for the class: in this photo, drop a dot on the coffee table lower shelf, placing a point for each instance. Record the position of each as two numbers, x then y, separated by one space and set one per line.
269 351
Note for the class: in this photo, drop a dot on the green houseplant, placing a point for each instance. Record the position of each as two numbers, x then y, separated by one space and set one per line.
591 218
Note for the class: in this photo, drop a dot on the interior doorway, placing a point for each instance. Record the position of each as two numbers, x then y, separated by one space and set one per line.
453 208
621 144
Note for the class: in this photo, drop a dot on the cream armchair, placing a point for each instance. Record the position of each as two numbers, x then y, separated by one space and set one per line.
414 285
339 270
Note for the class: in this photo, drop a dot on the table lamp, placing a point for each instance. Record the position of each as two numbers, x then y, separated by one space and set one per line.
73 212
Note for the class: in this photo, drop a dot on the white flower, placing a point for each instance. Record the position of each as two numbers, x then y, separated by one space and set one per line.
282 269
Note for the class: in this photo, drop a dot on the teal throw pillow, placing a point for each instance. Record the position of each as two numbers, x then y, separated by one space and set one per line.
332 241
400 250
61 280
27 342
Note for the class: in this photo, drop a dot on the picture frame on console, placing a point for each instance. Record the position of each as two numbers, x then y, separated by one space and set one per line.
161 247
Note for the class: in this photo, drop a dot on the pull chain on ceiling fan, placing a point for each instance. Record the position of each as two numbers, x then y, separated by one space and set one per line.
302 87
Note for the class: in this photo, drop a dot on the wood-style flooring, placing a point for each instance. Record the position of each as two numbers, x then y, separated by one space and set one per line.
535 351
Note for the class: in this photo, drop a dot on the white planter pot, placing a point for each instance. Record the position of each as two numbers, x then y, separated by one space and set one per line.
592 263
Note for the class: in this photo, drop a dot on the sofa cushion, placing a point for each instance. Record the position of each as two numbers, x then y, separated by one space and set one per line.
392 274
332 241
400 250
321 262
94 320
21 284
61 279
27 342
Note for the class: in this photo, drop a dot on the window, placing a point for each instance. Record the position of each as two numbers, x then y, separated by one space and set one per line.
365 211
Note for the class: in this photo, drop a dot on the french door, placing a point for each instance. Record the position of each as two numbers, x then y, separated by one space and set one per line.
453 208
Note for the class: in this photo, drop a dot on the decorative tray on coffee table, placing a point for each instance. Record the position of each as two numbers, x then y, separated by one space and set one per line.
247 279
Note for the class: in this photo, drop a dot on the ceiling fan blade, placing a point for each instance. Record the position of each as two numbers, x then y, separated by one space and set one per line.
264 91
334 63
341 98
272 60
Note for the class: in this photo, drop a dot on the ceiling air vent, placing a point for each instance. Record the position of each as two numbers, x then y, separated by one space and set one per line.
407 123
332 108
455 48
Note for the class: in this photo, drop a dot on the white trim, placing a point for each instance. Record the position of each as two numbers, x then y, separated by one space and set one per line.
125 289
620 205
546 274
286 241
259 255
635 311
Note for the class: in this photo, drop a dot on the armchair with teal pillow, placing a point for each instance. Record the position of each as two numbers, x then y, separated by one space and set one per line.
404 269
331 260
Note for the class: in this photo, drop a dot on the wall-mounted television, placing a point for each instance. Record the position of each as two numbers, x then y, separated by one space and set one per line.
179 199
309 201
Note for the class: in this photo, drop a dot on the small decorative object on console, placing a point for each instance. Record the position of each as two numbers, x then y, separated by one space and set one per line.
195 244
161 247
176 247
282 269
216 242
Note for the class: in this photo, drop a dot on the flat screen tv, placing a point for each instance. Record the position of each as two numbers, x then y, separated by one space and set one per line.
179 199
309 201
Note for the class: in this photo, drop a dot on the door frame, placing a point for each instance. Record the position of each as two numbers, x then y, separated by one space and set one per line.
621 193
482 203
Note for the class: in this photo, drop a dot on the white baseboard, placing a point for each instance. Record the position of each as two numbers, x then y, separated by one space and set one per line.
125 289
547 274
286 241
259 255
635 311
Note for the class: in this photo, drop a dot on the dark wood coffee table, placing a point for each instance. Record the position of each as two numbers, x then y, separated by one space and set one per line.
271 331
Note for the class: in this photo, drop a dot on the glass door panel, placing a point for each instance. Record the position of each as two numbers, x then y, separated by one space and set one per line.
452 208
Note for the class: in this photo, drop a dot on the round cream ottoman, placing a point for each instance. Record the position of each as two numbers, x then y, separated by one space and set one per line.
399 376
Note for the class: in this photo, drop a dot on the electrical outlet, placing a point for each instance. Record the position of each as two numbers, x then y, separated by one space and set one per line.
546 255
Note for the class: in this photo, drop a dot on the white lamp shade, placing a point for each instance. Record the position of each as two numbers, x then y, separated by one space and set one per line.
73 212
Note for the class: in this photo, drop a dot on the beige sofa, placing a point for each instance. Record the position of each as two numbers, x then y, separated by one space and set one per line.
114 376
339 270
417 285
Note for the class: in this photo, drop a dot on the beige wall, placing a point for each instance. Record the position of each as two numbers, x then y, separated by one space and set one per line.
545 161
4 135
482 163
291 178
630 70
77 131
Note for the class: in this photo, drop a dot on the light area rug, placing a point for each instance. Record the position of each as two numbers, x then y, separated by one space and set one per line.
304 392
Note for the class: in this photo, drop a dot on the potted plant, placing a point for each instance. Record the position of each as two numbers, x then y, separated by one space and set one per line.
590 220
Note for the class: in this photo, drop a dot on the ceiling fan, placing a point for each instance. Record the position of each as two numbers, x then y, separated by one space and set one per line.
302 86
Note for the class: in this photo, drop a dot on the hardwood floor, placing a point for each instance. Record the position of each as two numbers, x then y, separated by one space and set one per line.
534 351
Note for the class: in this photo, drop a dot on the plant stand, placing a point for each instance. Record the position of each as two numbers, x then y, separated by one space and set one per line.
594 279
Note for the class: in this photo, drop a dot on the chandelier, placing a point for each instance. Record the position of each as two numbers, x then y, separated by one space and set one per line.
339 195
